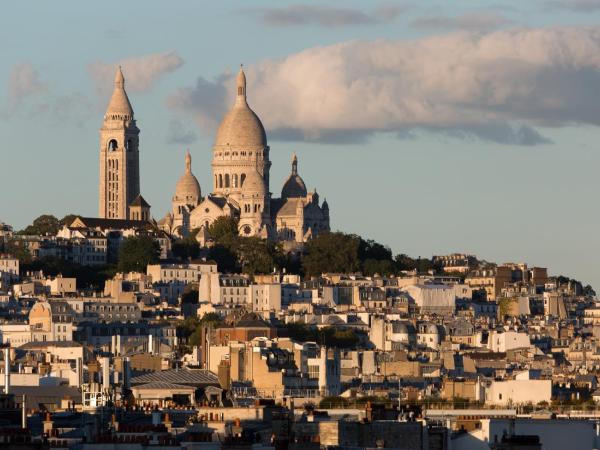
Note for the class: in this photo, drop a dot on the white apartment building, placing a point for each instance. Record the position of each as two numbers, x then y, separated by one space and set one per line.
187 273
266 297
507 340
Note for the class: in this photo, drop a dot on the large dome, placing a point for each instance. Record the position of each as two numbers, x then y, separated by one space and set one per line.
188 186
241 127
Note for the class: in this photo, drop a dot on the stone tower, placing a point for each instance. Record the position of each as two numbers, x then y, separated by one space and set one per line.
119 183
240 147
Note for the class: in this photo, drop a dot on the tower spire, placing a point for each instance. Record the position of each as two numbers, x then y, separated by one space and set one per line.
119 106
294 164
241 85
188 161
119 78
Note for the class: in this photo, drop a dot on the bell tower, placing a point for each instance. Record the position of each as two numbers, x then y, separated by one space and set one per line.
119 183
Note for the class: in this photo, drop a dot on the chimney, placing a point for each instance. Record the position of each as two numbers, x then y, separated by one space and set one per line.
369 412
24 414
126 372
167 422
48 424
79 370
105 362
151 344
224 374
6 370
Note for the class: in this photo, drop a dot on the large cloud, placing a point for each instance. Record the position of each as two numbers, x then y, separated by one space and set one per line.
497 86
140 73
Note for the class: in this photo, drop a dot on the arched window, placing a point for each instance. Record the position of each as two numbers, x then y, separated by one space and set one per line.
235 180
220 180
226 180
112 145
242 179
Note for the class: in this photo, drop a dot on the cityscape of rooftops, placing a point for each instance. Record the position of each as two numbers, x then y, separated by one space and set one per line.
311 225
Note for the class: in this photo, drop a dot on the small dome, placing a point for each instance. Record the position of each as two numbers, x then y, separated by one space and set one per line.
254 183
119 104
294 186
241 127
188 186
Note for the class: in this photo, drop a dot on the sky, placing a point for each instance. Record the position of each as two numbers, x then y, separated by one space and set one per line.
430 126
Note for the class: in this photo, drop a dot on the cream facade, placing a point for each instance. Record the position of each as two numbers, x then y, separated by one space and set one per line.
119 156
241 186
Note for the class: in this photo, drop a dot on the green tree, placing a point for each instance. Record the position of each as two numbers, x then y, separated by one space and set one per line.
190 294
370 249
257 255
137 252
223 228
186 248
88 277
17 248
43 225
331 252
421 265
382 267
225 258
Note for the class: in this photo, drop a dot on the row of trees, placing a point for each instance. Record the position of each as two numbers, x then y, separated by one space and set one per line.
328 252
47 224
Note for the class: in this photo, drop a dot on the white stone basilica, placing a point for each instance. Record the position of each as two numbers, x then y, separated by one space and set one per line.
240 189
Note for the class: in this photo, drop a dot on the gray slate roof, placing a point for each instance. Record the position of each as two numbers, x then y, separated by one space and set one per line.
196 377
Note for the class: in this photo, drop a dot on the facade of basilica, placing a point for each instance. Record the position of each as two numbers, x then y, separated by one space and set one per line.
240 187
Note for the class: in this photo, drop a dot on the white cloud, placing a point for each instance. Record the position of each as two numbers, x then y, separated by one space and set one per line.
477 21
324 16
23 82
140 73
497 86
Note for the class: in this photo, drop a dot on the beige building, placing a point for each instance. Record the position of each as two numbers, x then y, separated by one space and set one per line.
61 285
9 265
490 280
240 187
51 321
119 191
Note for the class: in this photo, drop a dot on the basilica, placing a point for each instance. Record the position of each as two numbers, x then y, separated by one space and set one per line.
240 179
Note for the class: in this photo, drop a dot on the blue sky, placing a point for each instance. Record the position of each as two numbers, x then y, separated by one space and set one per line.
432 127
